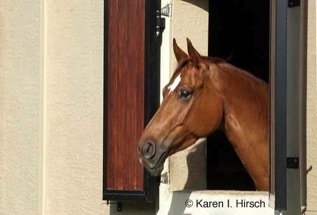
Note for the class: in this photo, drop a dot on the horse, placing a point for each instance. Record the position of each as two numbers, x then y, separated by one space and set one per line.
206 94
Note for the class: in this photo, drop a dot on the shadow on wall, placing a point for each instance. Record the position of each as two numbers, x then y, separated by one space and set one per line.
196 179
178 202
203 4
196 163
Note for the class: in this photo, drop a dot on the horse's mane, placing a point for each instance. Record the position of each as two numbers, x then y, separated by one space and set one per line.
244 73
214 60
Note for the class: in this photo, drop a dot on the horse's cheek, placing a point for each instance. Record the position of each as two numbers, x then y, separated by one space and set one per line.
206 119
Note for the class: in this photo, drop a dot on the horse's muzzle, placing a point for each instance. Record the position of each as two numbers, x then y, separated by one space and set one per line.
152 157
148 150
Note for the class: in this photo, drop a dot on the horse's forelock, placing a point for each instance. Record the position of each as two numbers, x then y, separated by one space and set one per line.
179 67
183 63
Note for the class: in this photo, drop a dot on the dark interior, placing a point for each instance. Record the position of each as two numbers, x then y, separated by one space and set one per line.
238 33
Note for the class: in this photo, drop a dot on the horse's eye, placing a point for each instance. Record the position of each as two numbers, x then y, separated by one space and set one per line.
184 94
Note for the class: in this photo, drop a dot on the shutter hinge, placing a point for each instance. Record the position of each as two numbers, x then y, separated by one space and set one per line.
119 205
166 10
292 163
160 23
293 3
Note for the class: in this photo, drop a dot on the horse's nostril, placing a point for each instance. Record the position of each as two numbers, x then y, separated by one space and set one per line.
148 150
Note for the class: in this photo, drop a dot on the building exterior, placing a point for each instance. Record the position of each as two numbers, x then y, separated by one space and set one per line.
51 111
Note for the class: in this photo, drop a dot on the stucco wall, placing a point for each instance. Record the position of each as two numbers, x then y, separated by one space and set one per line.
311 110
51 103
73 108
19 107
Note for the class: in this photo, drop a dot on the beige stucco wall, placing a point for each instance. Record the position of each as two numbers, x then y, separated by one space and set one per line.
312 109
19 107
51 97
73 108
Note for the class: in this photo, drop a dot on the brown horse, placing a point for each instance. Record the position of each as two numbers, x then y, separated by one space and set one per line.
203 95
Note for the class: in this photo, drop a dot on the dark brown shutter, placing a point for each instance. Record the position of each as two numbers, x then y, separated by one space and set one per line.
131 95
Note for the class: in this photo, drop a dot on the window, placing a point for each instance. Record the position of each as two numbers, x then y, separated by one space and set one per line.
239 33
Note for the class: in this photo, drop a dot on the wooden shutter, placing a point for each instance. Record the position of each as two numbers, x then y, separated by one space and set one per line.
131 90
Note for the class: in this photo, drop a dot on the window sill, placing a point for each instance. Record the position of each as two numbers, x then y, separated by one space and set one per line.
207 202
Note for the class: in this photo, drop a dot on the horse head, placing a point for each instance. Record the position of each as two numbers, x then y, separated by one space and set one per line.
191 108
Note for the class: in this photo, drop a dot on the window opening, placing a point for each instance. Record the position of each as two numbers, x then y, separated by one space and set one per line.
238 33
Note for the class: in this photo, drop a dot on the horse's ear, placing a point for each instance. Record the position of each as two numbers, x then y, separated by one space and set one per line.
193 53
179 53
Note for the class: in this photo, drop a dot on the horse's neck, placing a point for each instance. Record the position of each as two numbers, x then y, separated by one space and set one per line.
245 100
245 123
